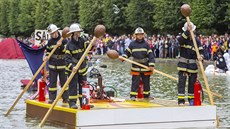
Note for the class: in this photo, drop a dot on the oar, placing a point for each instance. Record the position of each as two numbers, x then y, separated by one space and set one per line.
114 55
64 35
186 11
98 32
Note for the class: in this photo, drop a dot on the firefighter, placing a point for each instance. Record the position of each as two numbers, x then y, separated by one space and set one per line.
221 63
187 65
74 50
141 52
56 63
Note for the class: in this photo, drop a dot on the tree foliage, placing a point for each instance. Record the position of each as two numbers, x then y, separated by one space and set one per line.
90 14
4 26
70 12
12 17
41 14
22 17
26 17
54 13
139 14
114 16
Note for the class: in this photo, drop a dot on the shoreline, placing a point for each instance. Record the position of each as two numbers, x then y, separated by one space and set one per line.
157 60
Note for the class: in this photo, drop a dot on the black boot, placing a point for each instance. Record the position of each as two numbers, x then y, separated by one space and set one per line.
181 102
72 104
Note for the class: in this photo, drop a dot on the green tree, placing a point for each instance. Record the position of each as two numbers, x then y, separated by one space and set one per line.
114 16
227 17
41 14
70 12
202 15
167 17
55 13
4 23
12 17
139 14
90 14
26 20
221 8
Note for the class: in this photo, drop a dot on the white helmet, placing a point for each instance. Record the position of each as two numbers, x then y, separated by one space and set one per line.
139 30
75 27
186 26
52 28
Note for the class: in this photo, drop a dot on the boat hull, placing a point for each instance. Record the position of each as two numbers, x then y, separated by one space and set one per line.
127 114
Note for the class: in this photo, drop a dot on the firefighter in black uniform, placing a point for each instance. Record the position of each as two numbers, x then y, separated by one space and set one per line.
187 64
221 63
141 52
74 50
56 63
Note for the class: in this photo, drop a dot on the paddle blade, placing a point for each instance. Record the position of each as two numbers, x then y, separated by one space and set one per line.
186 10
65 32
99 31
112 54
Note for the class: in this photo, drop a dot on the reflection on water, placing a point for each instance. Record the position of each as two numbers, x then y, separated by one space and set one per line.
116 74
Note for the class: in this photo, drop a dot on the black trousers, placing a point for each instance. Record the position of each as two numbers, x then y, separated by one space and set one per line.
136 83
53 74
182 82
75 87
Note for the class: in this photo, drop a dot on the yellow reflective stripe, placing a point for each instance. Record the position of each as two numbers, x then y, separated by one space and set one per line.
133 93
51 66
191 47
188 70
191 97
53 89
149 51
139 69
192 71
64 48
187 46
69 65
125 56
152 64
77 51
66 73
73 97
85 44
185 36
146 92
129 50
80 96
181 97
82 70
68 52
51 47
84 74
181 69
68 69
200 48
61 67
139 50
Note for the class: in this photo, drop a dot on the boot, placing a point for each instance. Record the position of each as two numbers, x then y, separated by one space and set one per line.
181 102
50 101
133 97
65 101
72 105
